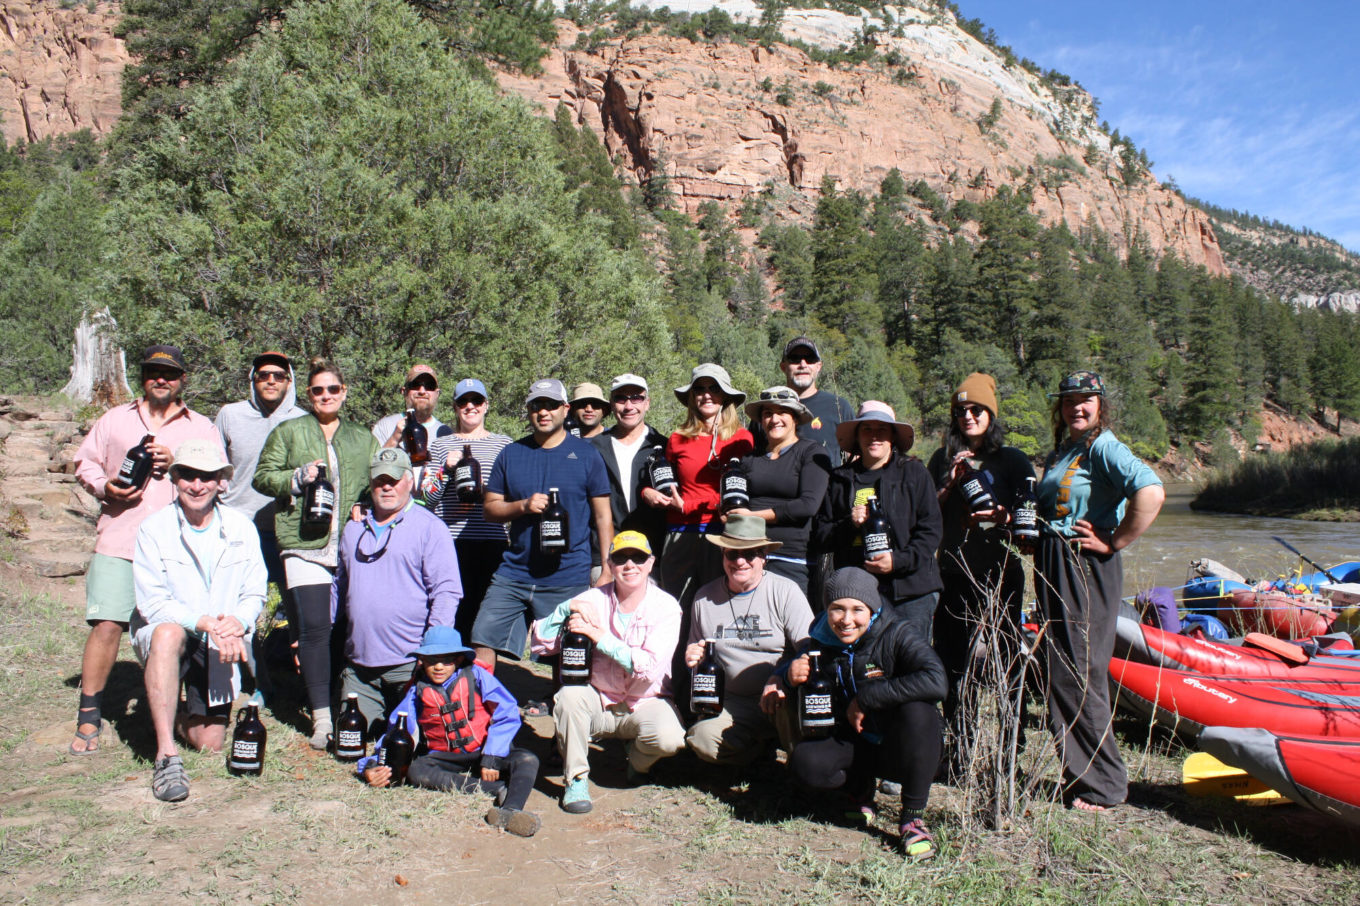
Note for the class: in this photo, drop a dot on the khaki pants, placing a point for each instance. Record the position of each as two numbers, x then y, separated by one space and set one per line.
741 733
581 717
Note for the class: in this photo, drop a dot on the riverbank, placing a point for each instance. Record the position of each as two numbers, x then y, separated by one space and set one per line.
1318 481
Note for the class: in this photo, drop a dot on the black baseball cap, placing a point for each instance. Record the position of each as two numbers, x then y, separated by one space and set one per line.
802 343
163 357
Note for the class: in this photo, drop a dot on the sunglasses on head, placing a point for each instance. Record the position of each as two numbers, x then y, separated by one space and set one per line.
975 411
271 377
623 557
322 390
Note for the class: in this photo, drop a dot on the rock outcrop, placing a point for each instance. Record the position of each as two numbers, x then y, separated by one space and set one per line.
726 120
60 68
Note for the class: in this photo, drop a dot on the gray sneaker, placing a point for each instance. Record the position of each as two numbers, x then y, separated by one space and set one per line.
169 783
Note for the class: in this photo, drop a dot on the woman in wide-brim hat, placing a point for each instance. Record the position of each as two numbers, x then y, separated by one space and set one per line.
786 480
1096 498
984 578
710 436
880 468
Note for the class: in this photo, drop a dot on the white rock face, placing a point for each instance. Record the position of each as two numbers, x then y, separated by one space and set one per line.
1347 301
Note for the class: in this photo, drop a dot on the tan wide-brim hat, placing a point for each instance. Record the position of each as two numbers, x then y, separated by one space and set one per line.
719 376
201 456
782 397
743 533
875 411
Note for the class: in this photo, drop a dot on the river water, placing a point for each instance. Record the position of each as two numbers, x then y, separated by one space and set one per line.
1180 534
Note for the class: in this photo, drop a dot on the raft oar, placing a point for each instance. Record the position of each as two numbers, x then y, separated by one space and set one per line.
1204 775
1292 549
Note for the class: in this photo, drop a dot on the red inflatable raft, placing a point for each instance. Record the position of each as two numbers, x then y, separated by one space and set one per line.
1150 645
1188 702
1319 772
1278 613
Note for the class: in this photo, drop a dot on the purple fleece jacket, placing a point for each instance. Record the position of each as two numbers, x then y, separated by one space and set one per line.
395 583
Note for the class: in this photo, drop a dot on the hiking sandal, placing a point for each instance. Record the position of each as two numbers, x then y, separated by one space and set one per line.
91 739
516 821
169 783
917 843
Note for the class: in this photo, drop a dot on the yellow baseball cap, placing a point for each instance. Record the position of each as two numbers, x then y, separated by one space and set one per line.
630 541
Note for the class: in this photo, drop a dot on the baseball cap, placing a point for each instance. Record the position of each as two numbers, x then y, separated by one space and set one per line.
547 389
389 461
419 370
164 356
629 380
271 358
802 343
630 541
469 385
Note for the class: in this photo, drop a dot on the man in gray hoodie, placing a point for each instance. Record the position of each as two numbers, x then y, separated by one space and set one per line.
244 426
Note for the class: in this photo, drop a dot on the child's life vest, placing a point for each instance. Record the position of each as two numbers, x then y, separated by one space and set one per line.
452 719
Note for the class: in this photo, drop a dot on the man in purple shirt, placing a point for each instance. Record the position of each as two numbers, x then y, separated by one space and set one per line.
397 576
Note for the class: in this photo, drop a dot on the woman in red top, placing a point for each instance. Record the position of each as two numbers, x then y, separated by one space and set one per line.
700 449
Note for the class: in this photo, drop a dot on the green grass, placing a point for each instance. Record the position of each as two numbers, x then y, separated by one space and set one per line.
1320 478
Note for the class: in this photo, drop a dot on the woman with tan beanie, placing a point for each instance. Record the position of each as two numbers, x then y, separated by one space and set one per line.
984 581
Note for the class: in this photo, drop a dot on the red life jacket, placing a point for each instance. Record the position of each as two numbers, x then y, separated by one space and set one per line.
453 719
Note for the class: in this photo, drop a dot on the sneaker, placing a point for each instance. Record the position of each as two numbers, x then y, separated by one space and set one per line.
169 783
576 797
516 821
917 843
321 735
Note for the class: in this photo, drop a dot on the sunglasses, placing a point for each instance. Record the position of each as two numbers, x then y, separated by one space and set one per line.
975 411
623 557
439 658
169 375
184 474
332 389
588 404
802 358
544 405
747 555
630 398
271 377
422 384
464 401
706 389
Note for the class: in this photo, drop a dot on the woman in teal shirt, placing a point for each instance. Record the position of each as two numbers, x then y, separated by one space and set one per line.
1095 499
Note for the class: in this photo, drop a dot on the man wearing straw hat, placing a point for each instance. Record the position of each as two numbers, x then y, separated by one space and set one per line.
752 619
200 585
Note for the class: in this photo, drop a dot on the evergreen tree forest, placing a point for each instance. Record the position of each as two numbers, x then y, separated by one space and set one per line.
343 179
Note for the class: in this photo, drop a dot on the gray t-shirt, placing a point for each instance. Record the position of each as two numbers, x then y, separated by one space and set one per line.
753 630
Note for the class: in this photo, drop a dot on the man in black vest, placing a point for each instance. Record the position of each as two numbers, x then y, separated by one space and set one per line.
626 448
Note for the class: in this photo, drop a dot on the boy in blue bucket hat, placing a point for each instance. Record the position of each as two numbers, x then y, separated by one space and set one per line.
464 724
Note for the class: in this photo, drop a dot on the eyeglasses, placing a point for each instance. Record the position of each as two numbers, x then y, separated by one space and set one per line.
422 384
803 358
464 402
750 555
630 398
623 557
975 411
271 377
544 405
331 389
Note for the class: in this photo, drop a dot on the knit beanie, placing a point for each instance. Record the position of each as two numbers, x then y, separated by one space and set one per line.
853 582
977 388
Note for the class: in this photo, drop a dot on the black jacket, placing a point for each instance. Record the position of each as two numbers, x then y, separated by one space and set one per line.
649 520
907 497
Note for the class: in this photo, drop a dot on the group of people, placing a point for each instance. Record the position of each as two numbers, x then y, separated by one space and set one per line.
407 598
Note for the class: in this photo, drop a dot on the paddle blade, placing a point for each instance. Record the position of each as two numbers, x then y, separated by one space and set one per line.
1285 651
1204 775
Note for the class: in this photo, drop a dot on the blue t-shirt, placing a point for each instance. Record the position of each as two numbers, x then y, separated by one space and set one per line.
577 470
1091 484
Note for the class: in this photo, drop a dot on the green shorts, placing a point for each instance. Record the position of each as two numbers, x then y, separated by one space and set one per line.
109 592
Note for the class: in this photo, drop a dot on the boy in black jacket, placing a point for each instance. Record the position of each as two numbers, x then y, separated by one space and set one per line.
888 682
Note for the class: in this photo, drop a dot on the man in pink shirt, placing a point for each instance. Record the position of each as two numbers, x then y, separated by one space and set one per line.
109 596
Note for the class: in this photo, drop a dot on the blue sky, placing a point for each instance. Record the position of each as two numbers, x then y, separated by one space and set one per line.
1249 105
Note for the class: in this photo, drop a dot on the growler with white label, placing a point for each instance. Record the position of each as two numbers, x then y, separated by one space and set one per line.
135 471
318 500
733 487
349 731
876 534
706 684
977 488
816 718
246 755
553 526
1025 518
577 651
660 472
467 477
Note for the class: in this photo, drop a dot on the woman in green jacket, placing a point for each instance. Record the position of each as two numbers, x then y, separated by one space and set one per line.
288 463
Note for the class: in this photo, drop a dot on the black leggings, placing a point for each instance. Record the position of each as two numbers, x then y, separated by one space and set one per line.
313 606
453 771
909 754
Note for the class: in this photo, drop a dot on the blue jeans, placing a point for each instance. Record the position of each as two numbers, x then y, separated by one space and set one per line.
500 621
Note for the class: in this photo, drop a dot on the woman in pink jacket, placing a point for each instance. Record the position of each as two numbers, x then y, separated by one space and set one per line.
635 627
